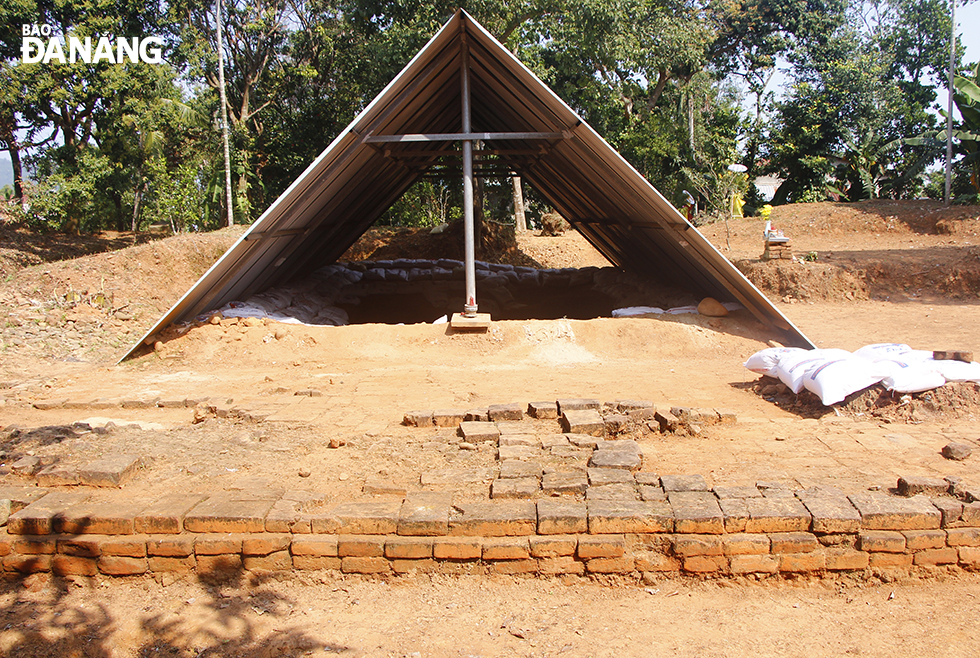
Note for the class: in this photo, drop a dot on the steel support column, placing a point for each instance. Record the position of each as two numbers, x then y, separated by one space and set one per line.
469 249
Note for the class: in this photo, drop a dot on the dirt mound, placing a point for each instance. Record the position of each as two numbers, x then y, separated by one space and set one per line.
953 400
793 280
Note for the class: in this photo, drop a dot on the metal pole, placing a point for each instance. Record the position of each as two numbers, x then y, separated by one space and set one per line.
949 108
469 307
224 118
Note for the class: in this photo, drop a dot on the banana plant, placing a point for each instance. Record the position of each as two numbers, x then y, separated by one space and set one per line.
967 99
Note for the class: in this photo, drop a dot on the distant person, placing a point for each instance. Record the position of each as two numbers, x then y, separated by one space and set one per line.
689 203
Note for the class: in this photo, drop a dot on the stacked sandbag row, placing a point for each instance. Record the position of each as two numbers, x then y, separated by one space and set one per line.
833 374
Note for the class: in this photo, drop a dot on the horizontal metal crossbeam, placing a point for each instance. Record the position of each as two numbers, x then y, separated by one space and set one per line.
460 137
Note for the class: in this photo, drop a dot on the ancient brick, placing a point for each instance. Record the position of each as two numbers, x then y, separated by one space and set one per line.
684 483
549 441
403 566
37 518
553 545
170 546
754 564
115 518
231 511
971 515
736 514
919 540
514 567
882 512
542 410
615 492
957 450
408 548
120 565
517 468
457 548
667 421
655 562
418 419
71 565
648 492
27 563
963 536
912 485
163 564
792 542
265 544
832 514
166 516
374 485
969 556
846 559
625 406
934 556
696 512
359 518
704 564
112 471
586 441
601 546
360 546
616 459
456 477
564 483
506 548
315 562
123 546
511 411
688 545
802 562
950 511
521 488
524 440
578 404
425 514
776 515
881 541
277 561
745 544
365 565
57 475
561 517
447 417
474 431
35 545
81 546
563 564
610 565
314 545
583 422
495 518
219 565
218 544
741 491
614 516
603 476
479 415
889 560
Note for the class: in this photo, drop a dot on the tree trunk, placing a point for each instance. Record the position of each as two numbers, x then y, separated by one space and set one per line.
520 222
14 151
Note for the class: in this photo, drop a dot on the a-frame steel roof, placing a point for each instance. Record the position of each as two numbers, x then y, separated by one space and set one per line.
366 169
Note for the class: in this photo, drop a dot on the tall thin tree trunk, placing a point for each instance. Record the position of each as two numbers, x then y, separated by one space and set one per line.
520 222
224 120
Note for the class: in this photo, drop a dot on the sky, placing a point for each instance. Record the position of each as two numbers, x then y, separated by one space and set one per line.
966 16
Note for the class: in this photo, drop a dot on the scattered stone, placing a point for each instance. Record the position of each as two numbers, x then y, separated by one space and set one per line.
616 423
578 404
336 442
525 487
305 473
913 485
475 431
957 451
512 411
626 406
27 465
309 393
543 410
479 415
684 483
711 307
583 422
667 421
558 483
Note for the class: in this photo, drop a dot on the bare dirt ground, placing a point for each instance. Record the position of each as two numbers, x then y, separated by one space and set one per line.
883 273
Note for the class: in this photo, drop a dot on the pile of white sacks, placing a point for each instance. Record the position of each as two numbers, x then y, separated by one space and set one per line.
833 374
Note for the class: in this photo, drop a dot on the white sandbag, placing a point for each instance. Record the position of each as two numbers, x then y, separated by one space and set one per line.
764 361
681 310
834 379
900 351
792 367
631 311
957 371
910 376
332 315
